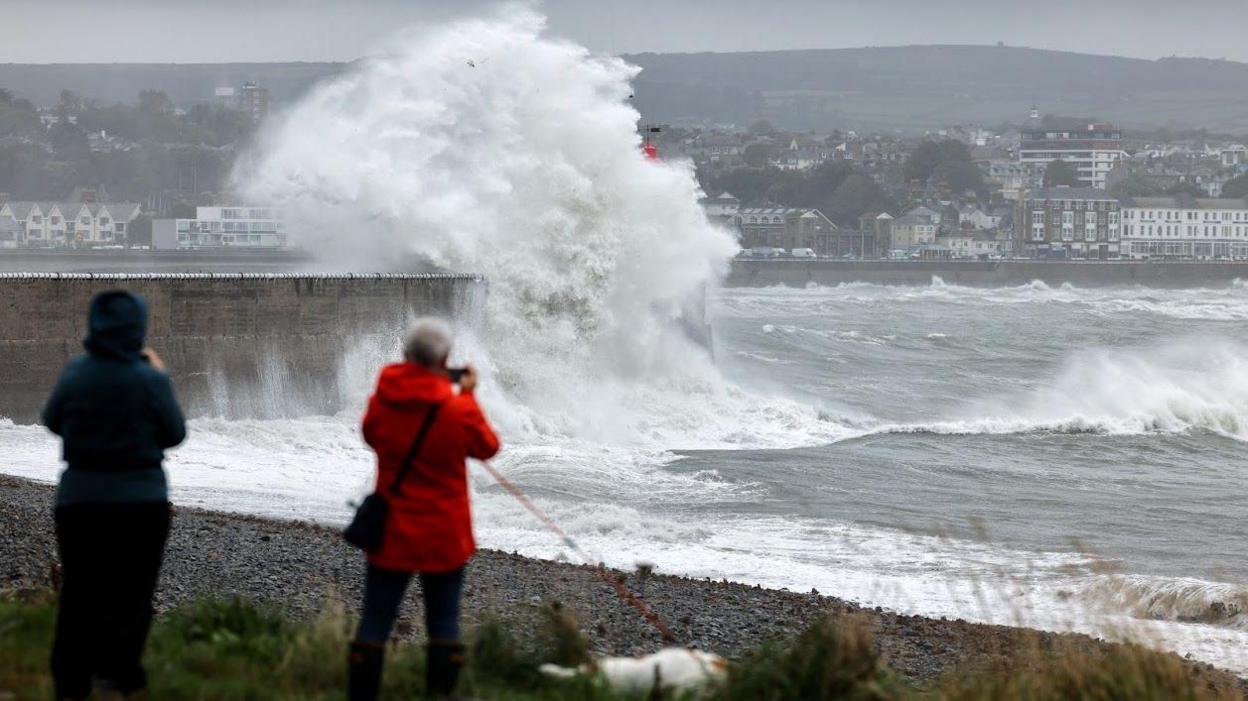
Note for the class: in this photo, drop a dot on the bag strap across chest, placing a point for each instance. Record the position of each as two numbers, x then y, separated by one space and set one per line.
414 451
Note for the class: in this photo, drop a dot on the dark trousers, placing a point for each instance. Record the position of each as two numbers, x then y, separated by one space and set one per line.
110 561
383 592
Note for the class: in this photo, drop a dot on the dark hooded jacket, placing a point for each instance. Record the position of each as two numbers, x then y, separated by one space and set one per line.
115 413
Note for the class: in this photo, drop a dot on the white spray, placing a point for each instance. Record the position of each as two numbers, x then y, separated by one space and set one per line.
486 146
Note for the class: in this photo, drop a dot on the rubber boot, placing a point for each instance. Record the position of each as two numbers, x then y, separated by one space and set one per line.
442 664
364 665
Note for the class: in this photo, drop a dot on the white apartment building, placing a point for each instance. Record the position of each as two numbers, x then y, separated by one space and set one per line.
1090 149
1185 227
53 224
222 227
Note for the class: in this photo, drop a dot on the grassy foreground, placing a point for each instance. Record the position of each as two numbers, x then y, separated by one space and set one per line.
229 649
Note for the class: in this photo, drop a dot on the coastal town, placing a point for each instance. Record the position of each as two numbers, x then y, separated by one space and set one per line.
1052 188
155 175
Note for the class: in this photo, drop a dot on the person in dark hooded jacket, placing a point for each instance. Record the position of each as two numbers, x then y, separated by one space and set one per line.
116 413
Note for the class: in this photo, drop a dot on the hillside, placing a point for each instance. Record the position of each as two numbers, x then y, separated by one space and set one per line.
916 87
908 87
186 83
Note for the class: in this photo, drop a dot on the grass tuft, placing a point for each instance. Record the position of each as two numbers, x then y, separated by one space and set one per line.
560 639
1126 672
831 660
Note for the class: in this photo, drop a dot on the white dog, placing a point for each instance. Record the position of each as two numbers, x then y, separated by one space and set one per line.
670 669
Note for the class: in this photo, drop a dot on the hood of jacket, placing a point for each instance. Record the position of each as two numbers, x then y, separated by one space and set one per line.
404 384
116 326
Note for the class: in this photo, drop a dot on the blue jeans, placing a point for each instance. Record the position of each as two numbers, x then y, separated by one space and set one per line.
383 592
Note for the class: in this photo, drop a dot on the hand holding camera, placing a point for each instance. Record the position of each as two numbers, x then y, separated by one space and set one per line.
465 377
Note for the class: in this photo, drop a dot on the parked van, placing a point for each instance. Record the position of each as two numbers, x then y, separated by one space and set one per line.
804 253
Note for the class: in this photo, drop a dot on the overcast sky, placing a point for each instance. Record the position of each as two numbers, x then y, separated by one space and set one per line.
194 31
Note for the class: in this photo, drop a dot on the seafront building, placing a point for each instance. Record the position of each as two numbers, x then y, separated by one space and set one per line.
25 224
784 227
915 229
1184 227
1069 222
221 227
722 210
1091 149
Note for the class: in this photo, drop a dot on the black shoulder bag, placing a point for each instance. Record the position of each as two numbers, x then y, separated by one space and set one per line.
368 528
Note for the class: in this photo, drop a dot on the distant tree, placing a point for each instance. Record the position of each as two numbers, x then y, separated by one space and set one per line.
1164 135
923 161
182 210
928 156
856 195
139 232
813 188
1236 188
19 117
959 177
225 125
758 155
1058 173
955 150
1134 185
70 104
750 185
69 142
155 102
1185 189
762 127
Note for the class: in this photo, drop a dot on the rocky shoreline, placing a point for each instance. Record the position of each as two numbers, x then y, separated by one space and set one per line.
303 567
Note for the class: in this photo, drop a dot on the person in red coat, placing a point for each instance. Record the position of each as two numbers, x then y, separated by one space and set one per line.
429 526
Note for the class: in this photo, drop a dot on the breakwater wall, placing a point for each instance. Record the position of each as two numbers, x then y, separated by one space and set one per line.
236 345
132 261
800 273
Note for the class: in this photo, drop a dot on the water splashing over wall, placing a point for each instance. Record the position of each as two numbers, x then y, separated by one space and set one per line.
487 146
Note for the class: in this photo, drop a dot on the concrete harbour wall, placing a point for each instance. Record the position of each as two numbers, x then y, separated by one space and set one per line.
236 345
800 273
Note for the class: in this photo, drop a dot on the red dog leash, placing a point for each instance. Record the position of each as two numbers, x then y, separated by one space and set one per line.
629 597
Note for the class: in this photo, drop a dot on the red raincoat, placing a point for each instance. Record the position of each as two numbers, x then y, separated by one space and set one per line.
429 527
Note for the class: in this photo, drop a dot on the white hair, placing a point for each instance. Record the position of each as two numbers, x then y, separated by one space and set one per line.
427 342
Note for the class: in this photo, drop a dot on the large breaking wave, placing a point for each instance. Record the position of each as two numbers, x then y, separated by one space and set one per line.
487 146
1175 388
1177 385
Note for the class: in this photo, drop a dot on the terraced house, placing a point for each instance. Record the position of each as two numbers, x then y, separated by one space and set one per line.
785 227
1185 227
1068 222
26 224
